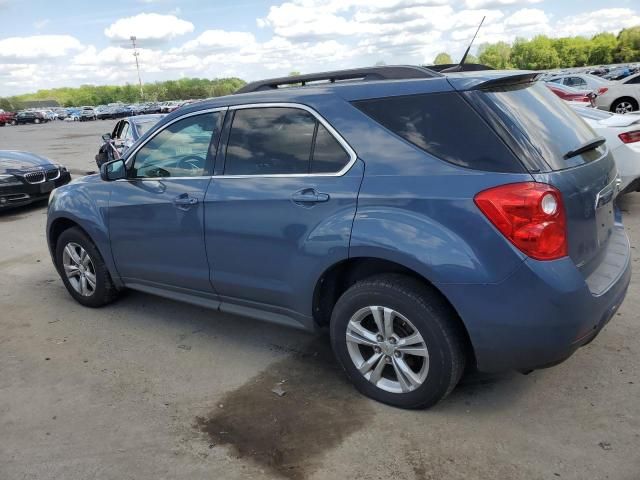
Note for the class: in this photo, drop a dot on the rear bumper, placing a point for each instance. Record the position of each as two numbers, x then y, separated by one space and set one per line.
544 311
20 195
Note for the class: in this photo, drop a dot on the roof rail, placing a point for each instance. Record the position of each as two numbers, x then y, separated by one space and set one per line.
465 67
391 72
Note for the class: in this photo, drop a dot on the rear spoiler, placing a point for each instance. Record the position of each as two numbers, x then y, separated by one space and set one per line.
506 80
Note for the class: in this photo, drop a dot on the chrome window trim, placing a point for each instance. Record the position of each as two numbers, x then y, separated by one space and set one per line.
352 154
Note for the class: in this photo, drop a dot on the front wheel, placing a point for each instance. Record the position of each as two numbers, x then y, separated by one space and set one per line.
36 121
398 341
82 269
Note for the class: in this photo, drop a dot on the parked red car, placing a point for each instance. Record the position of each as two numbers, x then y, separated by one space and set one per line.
570 93
6 117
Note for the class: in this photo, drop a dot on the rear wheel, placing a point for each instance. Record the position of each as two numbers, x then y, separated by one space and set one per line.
37 120
624 105
83 270
397 341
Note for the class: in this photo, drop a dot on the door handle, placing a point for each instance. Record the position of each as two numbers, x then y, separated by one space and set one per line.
309 196
184 201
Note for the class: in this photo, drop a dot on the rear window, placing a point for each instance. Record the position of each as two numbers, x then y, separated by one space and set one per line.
444 125
549 125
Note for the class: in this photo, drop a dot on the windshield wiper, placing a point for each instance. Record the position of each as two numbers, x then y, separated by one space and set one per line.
585 147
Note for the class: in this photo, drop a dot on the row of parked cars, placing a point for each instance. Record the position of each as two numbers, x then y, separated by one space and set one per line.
86 113
619 96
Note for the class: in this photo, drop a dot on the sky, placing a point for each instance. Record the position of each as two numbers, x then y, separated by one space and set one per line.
56 43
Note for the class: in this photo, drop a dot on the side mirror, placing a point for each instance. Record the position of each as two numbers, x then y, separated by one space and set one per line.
114 170
106 137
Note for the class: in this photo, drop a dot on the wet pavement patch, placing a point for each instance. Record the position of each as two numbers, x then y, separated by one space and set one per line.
288 434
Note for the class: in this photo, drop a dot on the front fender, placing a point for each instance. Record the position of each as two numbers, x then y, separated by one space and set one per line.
85 203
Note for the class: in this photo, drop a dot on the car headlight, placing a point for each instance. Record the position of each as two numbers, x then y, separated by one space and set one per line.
9 181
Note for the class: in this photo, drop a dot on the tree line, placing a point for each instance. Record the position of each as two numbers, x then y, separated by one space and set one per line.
182 89
542 52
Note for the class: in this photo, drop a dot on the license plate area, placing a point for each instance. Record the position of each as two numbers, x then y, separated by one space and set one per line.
605 217
46 187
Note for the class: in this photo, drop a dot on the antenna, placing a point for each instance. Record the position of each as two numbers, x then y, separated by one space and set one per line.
459 67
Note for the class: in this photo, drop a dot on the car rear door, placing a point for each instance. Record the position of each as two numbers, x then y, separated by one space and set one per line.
156 216
279 209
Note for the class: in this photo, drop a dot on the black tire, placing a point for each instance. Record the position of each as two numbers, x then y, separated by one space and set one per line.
105 291
13 122
624 100
433 318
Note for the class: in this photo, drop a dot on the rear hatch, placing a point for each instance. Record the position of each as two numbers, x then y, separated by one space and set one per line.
558 148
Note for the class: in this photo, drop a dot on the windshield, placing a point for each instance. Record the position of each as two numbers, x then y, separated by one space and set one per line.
143 127
531 111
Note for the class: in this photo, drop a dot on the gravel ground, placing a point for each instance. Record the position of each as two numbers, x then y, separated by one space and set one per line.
150 388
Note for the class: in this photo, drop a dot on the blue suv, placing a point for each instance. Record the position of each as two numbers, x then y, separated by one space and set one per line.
432 222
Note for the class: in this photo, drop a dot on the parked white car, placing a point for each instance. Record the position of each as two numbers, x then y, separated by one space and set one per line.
581 81
623 138
622 96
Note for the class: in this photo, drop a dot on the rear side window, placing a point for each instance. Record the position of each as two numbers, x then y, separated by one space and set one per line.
444 125
328 154
266 141
550 126
280 140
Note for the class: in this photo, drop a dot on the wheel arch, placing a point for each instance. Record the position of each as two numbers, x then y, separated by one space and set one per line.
336 279
61 224
624 97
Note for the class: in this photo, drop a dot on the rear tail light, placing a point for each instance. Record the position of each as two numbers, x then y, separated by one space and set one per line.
630 137
602 90
531 215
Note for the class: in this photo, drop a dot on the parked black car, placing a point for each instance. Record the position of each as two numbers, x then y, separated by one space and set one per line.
26 178
28 117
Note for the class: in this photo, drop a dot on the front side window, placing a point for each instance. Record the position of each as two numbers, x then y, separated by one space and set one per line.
180 150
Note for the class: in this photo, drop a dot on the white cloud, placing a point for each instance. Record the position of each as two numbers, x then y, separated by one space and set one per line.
604 20
150 27
303 35
216 40
526 17
40 24
496 3
38 47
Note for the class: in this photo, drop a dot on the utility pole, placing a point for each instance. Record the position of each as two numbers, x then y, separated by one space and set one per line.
135 54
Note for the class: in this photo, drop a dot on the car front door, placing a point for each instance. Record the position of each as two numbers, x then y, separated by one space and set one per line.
156 215
279 209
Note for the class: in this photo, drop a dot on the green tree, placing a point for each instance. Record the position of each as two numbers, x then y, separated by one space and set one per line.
535 54
572 51
602 47
443 58
628 49
496 55
471 59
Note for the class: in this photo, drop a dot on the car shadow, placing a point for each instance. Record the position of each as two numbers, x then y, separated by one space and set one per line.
12 214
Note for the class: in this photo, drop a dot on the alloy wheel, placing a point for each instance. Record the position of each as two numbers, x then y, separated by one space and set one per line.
624 107
79 269
387 349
